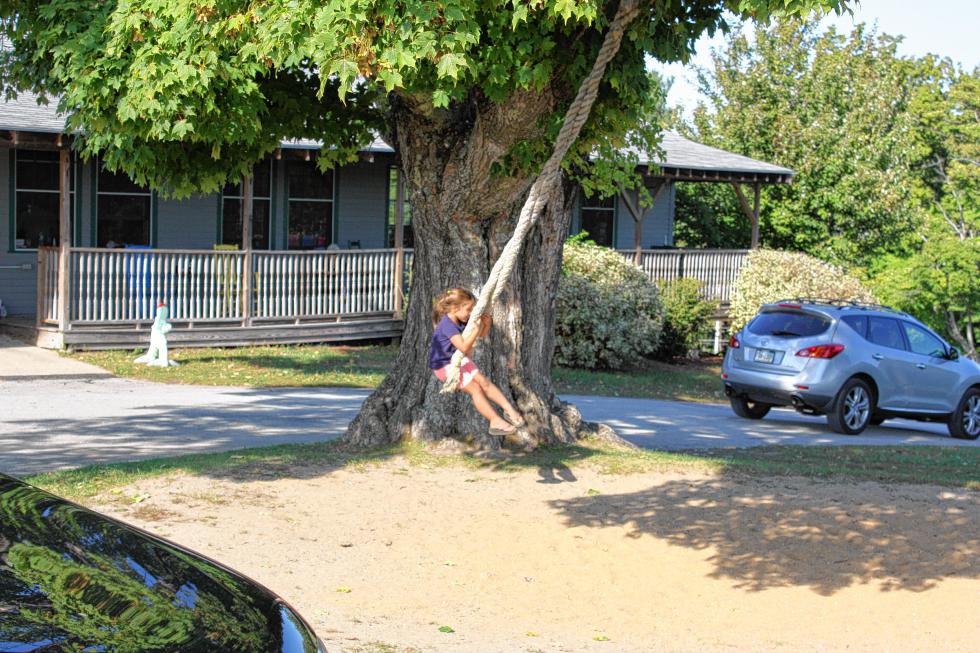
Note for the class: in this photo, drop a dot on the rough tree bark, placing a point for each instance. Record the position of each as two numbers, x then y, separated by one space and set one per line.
463 215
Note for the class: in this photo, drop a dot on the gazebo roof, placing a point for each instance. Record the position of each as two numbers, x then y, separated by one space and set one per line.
687 160
683 160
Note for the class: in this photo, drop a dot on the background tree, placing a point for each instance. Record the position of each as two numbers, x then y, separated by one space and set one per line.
188 94
937 275
834 108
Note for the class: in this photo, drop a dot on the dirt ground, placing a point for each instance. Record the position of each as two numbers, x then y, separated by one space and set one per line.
380 558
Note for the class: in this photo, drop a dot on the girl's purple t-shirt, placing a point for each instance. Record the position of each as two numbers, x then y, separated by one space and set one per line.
442 349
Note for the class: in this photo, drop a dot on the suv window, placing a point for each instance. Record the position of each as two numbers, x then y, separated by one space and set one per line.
788 323
885 331
923 342
857 322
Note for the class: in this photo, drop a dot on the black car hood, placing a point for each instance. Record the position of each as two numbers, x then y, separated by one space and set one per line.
72 579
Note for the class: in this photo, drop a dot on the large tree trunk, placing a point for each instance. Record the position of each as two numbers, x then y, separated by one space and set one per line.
463 215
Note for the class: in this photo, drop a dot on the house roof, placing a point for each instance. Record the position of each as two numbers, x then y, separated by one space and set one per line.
23 113
683 158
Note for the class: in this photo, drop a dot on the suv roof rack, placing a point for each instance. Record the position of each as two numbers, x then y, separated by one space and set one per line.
843 304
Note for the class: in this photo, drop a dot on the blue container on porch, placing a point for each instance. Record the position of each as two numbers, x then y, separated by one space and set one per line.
140 283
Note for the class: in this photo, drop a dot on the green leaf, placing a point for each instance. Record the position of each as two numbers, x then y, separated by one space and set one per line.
449 65
440 99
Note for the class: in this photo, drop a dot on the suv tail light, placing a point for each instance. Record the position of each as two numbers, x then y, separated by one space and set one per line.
733 342
821 351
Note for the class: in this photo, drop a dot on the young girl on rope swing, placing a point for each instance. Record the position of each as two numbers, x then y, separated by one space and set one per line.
450 313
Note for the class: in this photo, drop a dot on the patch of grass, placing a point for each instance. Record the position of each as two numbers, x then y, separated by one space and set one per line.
683 381
379 647
946 466
273 366
366 366
266 462
152 513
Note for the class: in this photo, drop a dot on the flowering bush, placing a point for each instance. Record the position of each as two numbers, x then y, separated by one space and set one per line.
687 318
608 311
770 275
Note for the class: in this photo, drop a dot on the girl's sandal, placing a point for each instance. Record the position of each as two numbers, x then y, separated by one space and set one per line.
501 432
517 423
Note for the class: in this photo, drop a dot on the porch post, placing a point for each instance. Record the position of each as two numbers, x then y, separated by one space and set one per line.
247 276
64 237
399 275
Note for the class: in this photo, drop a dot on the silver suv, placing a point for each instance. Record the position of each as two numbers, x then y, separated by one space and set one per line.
858 364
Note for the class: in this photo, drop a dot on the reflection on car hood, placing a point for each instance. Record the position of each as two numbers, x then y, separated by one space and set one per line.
71 579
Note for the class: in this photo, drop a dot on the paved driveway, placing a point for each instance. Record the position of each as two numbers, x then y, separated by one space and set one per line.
53 424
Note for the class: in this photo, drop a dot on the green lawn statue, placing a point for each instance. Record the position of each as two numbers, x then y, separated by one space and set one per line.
156 355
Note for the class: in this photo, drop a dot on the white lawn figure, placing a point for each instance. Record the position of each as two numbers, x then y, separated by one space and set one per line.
156 355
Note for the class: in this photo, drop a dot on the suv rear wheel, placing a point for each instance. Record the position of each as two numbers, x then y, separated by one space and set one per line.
964 423
852 409
749 409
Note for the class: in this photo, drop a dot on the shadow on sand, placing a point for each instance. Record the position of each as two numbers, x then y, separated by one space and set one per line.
767 533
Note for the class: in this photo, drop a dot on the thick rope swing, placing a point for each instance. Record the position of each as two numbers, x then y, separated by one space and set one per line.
534 206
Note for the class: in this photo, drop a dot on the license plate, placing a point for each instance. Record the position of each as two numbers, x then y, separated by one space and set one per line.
764 355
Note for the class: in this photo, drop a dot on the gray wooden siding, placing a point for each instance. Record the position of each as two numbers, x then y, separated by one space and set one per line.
18 287
362 204
361 215
190 223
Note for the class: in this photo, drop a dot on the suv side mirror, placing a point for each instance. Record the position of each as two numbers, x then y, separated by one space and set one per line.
952 354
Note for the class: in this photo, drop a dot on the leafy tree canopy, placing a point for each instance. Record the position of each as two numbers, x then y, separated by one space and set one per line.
834 108
187 94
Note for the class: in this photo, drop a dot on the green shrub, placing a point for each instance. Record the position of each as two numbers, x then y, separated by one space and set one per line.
686 318
608 311
770 275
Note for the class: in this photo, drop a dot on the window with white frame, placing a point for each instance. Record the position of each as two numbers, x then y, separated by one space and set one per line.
36 198
408 234
599 219
123 210
231 208
310 206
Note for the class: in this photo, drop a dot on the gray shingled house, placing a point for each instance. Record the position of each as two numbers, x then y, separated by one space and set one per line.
323 256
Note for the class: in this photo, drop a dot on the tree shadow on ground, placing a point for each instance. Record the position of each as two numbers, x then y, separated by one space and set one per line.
768 533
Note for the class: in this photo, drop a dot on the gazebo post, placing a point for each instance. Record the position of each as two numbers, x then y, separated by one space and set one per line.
64 237
752 213
247 247
634 211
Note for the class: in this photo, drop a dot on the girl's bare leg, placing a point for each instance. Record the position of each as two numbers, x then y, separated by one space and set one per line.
496 396
475 391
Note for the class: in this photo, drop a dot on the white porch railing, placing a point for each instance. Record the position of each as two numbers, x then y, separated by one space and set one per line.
113 286
48 259
717 269
118 285
323 284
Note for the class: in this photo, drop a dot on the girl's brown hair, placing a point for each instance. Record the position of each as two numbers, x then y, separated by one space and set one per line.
448 300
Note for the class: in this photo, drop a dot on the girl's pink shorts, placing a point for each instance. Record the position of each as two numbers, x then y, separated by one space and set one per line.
467 372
